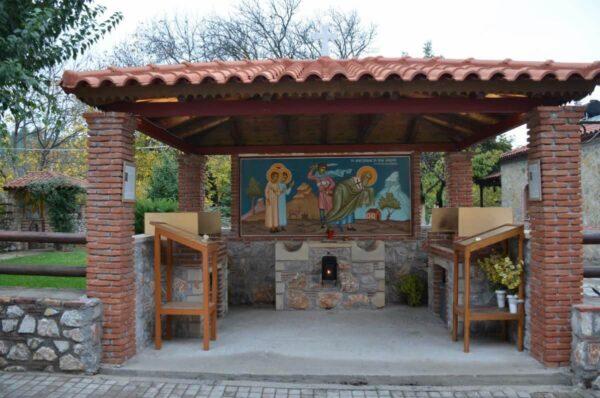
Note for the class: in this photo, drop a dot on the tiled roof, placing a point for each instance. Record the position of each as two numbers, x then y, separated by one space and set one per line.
590 131
41 176
327 69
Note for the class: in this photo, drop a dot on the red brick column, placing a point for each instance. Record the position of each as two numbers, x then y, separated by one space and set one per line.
416 193
191 182
459 179
556 266
110 271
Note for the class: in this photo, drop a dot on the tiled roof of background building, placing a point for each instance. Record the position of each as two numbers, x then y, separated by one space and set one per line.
42 176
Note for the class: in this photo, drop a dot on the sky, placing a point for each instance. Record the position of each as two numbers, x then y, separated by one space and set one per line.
532 30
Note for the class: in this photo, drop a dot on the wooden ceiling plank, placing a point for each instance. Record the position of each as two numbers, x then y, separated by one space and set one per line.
444 123
450 133
411 130
197 125
366 125
235 131
283 127
324 129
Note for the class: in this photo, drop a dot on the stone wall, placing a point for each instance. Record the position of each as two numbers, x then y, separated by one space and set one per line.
585 353
251 267
49 330
360 275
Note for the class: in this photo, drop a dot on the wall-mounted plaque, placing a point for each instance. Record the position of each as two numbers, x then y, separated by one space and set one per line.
358 195
534 177
128 182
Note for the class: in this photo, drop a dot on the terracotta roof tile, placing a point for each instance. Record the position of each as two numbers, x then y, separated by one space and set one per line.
590 131
40 176
326 69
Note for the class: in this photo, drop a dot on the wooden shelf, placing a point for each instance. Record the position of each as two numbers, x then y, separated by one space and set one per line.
469 313
207 308
481 313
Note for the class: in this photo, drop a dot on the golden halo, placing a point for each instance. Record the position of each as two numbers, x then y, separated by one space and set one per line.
271 171
279 166
368 169
289 175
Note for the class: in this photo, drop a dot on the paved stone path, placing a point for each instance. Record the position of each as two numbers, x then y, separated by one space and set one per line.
46 385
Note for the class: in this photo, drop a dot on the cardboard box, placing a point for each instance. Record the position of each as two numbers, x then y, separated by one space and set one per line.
197 223
469 221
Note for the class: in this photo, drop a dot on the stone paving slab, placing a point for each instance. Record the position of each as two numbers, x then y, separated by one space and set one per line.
31 384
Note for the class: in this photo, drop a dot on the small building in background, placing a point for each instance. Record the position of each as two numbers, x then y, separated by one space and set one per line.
29 214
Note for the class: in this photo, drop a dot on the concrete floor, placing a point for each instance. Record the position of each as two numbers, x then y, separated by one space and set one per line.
396 345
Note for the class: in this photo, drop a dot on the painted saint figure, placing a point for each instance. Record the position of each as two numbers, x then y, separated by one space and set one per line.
326 185
272 200
351 194
285 187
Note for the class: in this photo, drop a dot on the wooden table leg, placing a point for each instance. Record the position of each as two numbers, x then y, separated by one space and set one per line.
157 294
467 300
455 298
169 288
206 301
214 296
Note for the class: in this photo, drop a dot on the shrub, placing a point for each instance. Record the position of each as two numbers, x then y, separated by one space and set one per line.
62 200
143 206
412 288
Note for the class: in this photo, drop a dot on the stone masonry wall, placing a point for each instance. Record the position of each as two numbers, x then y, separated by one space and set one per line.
585 353
44 331
360 275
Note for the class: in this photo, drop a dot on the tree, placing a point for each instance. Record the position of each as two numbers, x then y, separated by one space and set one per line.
254 30
163 182
36 35
254 191
390 203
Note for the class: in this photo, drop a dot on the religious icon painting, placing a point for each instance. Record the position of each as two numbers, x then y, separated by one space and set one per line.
358 195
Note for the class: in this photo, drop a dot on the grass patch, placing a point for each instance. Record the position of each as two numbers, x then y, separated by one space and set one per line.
76 257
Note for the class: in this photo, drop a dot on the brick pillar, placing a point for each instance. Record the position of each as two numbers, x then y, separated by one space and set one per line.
556 265
416 193
191 182
459 179
110 270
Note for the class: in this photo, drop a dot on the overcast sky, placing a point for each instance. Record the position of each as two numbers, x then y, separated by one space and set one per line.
562 30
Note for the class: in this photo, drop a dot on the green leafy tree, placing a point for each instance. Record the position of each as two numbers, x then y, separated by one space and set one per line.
254 191
163 183
218 183
36 35
390 203
62 200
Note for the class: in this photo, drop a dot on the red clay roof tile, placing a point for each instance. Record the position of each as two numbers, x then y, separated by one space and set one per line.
326 69
40 176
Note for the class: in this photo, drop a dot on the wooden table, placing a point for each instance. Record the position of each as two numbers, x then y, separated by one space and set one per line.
468 313
207 308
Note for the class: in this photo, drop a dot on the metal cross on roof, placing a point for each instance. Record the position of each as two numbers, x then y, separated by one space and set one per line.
324 36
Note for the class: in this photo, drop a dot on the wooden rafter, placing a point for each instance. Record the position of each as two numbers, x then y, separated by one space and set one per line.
494 130
411 129
324 129
453 135
163 135
283 127
197 126
235 131
325 106
435 119
366 125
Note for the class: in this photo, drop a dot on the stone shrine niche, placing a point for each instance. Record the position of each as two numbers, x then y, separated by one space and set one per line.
303 196
360 281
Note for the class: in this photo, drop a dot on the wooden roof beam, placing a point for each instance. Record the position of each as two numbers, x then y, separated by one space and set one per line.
283 127
411 130
197 126
235 131
366 125
324 129
325 106
163 135
501 127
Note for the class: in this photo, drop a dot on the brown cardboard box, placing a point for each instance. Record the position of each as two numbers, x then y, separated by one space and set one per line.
469 221
197 223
